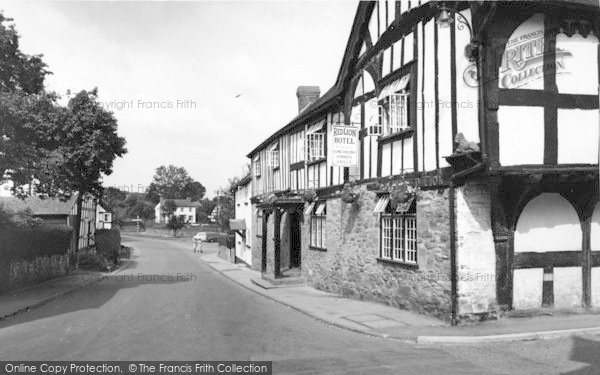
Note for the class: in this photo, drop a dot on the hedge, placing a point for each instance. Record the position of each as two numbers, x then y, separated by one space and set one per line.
30 242
108 243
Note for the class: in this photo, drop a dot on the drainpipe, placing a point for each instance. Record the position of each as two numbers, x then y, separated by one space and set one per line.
453 270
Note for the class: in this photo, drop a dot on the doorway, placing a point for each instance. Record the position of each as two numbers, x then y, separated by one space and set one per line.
295 240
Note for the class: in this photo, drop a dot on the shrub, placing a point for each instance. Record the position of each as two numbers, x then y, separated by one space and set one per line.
20 242
108 243
96 261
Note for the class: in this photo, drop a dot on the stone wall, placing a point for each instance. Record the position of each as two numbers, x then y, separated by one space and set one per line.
24 272
350 266
476 255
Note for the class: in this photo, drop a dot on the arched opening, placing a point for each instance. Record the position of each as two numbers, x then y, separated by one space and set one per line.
547 241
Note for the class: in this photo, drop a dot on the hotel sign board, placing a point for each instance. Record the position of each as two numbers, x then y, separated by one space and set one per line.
344 146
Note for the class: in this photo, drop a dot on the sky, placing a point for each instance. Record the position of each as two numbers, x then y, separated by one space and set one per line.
194 84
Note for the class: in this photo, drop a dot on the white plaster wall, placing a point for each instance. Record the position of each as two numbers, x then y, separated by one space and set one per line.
527 288
548 223
429 104
445 99
385 159
476 255
397 157
578 136
595 287
521 135
580 73
567 287
466 96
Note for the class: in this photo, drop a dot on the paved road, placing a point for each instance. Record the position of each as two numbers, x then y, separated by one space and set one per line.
170 305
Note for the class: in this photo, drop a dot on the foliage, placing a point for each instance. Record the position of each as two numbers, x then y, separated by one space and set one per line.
18 71
108 243
175 183
168 207
175 223
202 212
22 242
96 262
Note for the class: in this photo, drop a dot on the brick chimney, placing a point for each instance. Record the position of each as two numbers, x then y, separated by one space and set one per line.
306 96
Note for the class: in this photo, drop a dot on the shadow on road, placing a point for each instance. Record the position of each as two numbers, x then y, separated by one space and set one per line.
585 351
101 289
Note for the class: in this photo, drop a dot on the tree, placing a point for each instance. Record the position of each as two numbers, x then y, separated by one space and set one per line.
175 223
175 183
88 144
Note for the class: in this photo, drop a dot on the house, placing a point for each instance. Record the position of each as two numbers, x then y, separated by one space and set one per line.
185 208
242 222
103 217
54 211
452 169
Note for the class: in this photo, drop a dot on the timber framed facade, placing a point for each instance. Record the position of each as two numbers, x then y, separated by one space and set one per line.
476 187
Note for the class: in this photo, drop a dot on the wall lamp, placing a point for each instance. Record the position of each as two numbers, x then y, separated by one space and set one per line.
446 17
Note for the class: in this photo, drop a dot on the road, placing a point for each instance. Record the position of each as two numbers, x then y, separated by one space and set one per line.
169 305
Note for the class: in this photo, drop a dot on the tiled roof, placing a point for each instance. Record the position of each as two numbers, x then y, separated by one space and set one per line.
39 206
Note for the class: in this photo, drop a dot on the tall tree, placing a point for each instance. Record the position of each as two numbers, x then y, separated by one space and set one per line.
174 183
88 144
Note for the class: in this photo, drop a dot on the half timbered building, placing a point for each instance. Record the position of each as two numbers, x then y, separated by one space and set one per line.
473 184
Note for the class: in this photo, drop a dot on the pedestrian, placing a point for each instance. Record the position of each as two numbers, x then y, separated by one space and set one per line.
197 243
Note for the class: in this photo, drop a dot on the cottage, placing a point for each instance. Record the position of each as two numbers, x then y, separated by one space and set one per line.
103 217
452 169
54 211
185 209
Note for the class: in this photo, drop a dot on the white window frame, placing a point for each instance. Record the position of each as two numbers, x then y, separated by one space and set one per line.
398 233
393 113
318 222
273 158
257 169
315 145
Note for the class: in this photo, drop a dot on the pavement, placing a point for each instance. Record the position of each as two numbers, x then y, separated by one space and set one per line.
377 319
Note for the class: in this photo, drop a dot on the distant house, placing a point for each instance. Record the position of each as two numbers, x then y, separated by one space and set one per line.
103 217
184 208
242 224
57 212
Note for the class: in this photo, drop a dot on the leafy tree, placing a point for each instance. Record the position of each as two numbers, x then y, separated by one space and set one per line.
87 141
174 182
168 207
18 71
202 212
175 223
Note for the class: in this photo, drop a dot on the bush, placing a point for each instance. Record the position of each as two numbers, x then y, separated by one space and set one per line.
108 243
20 242
95 262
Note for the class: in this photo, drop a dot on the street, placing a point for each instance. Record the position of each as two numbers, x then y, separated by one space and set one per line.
169 305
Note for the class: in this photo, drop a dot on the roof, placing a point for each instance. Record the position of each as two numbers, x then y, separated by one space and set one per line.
334 95
245 180
183 202
39 206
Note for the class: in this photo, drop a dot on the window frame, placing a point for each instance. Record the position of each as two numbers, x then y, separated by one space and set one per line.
398 236
402 113
317 236
312 139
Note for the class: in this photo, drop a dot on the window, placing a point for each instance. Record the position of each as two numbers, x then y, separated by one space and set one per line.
316 146
398 230
273 157
257 167
318 238
393 113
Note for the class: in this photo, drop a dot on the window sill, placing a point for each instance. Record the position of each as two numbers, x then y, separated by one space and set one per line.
397 263
316 248
395 136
